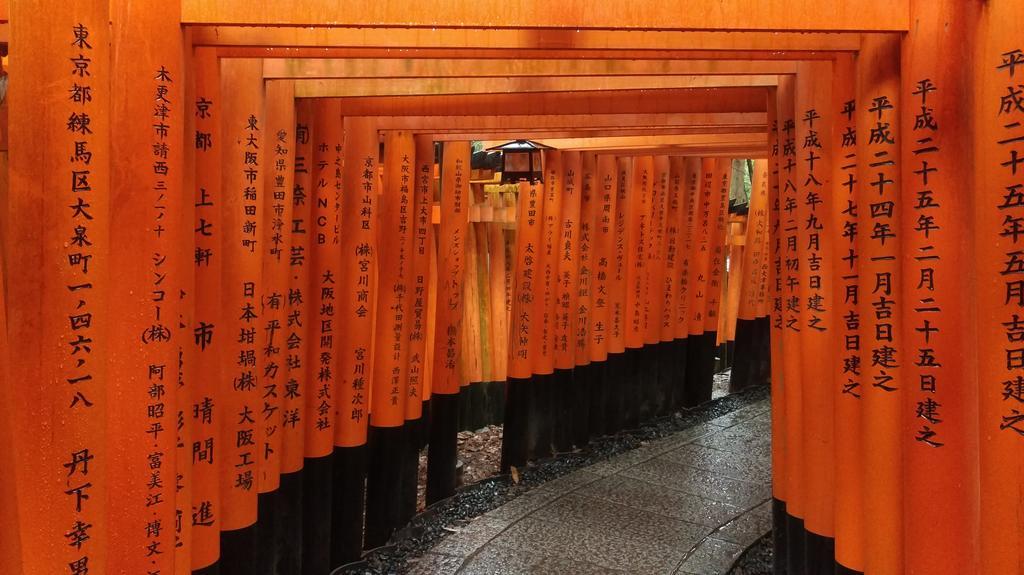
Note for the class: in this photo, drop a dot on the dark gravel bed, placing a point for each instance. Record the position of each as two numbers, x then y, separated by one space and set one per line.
444 517
756 560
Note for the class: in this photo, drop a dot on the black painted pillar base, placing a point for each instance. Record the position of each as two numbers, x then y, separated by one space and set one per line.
666 376
492 397
700 368
345 536
538 416
238 554
680 365
616 382
443 453
632 388
648 374
597 382
746 355
410 469
268 532
843 570
316 514
763 371
780 543
795 536
213 569
424 434
563 413
466 399
290 512
582 385
384 479
819 553
730 352
513 442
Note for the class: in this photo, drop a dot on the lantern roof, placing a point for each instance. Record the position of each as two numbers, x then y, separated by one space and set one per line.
520 146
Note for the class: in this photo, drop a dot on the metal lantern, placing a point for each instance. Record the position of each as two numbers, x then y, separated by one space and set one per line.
521 160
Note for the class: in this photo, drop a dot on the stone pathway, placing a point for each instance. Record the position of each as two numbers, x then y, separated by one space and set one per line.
689 503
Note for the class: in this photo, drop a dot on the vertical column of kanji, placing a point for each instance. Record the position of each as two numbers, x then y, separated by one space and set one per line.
278 180
386 474
790 337
472 363
565 286
814 125
748 338
735 236
675 196
878 222
587 382
656 290
780 466
636 205
243 159
327 285
602 269
719 214
687 276
679 175
940 439
296 339
998 206
60 191
455 172
700 359
357 296
846 365
418 288
645 187
205 392
620 361
146 188
529 214
541 396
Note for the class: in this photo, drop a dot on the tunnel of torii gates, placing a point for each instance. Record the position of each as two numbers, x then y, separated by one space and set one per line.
249 270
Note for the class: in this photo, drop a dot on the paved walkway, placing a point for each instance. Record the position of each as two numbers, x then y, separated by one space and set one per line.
689 503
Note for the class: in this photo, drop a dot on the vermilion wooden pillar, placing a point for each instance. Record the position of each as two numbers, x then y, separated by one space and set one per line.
622 366
998 206
529 219
278 181
296 340
716 274
879 213
146 226
322 398
749 335
603 300
452 239
776 275
814 195
571 406
356 301
656 289
848 360
244 158
207 389
418 293
541 407
588 383
692 180
638 218
700 350
58 308
386 477
940 440
673 240
789 226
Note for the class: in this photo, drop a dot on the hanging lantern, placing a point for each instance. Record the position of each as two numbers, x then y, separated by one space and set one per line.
521 160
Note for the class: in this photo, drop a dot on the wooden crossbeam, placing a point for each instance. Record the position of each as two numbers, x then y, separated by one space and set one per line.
570 15
355 87
563 121
320 68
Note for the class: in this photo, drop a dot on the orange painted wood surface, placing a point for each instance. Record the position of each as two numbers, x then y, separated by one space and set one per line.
422 248
244 157
567 256
451 264
356 280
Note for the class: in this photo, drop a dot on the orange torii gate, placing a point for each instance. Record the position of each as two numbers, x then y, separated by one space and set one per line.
929 385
